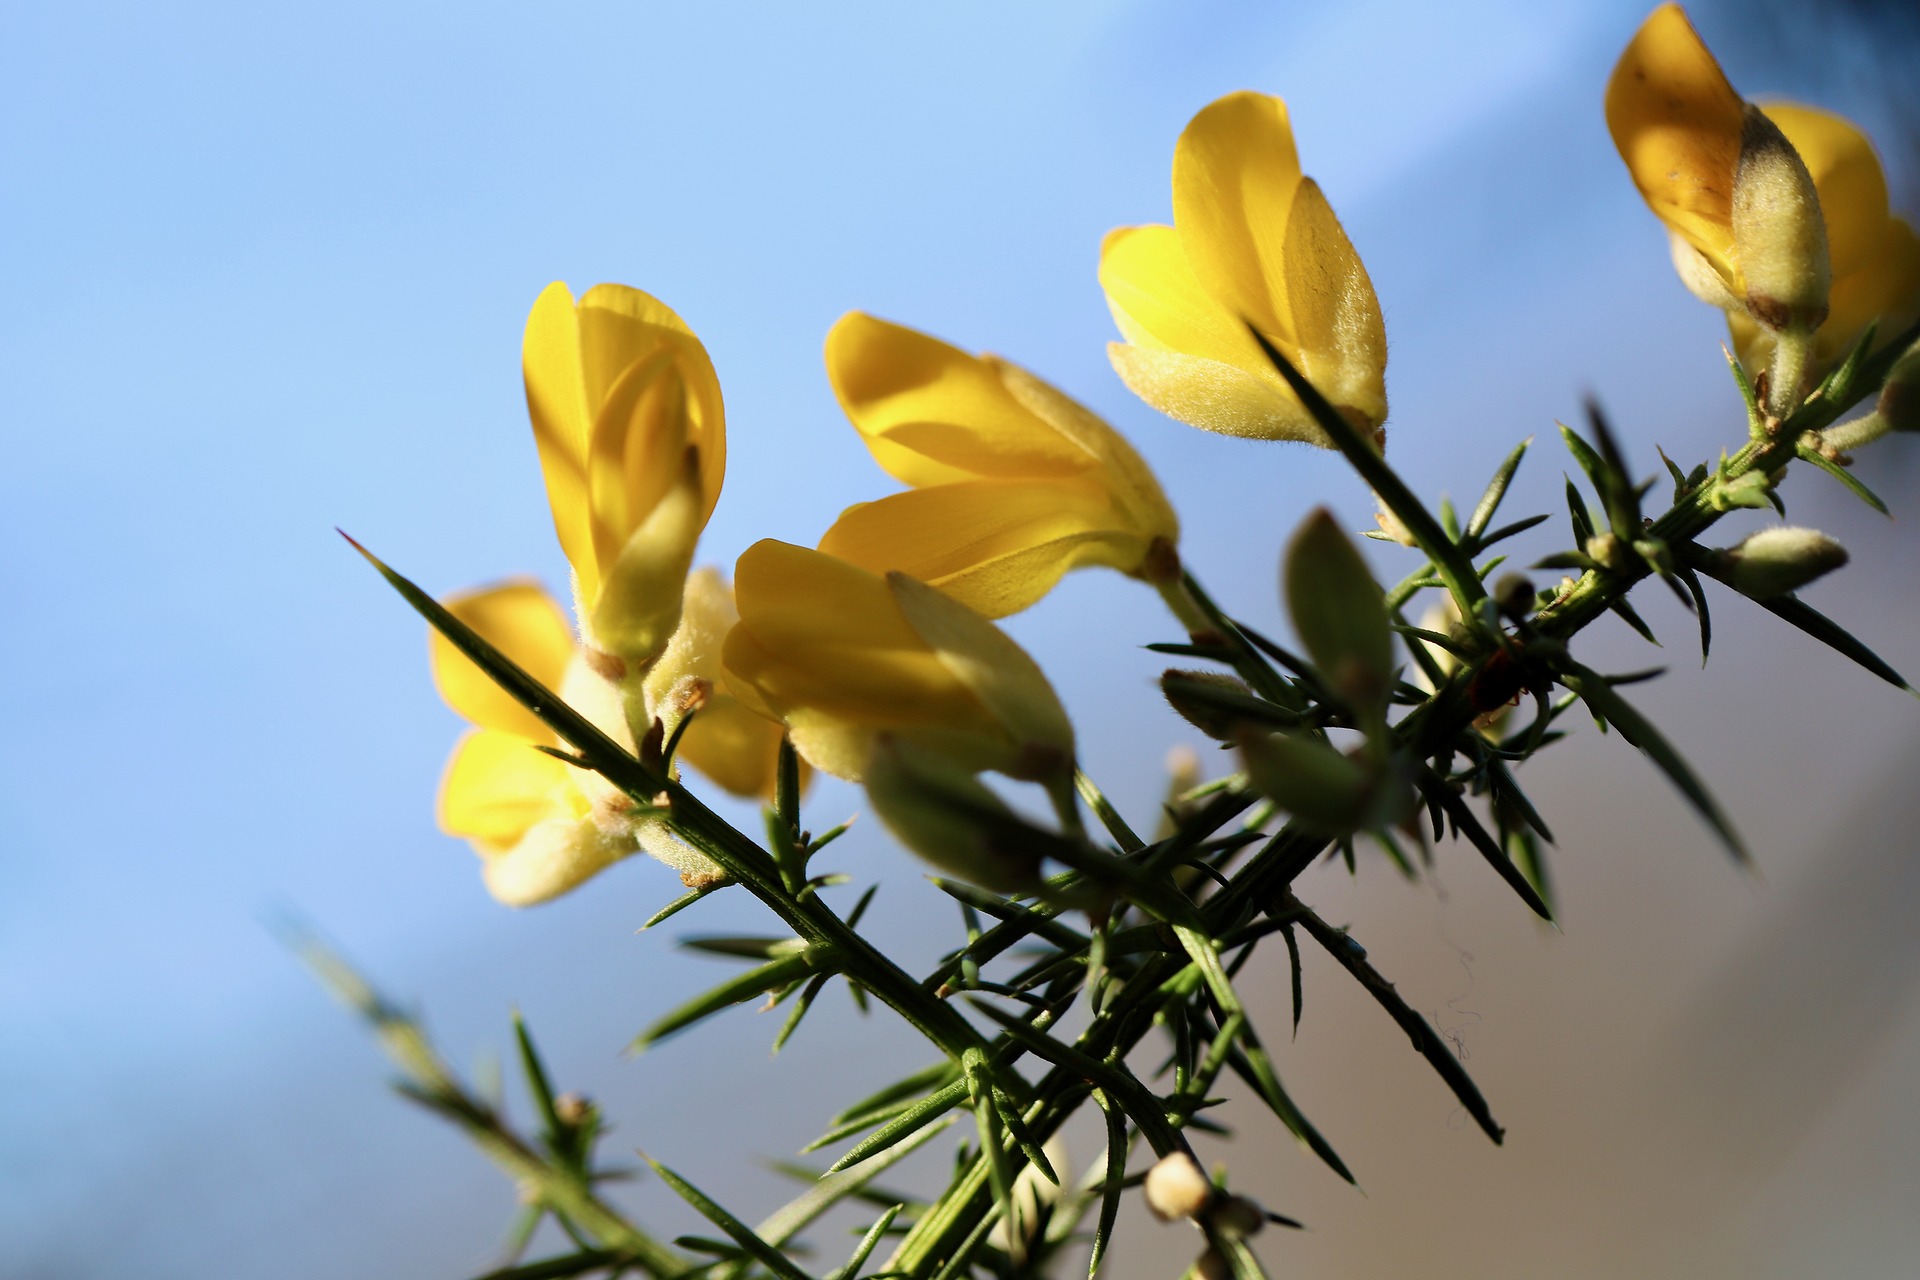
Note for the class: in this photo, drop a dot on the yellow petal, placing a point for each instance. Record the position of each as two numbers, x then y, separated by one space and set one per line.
640 438
638 605
930 413
1336 317
1215 396
1159 303
996 546
1676 122
1126 476
1846 173
817 632
562 417
497 786
733 745
1008 683
572 357
1234 174
522 621
1887 288
555 855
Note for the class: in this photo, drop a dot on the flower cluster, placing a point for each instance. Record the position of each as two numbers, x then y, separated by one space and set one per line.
874 656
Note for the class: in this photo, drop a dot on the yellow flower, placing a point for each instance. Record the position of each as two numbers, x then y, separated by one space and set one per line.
1875 256
1252 242
1748 221
540 825
1013 482
627 416
842 656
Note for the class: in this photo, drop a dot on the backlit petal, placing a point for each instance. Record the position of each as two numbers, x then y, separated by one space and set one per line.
497 786
522 621
1158 302
1215 396
1234 174
1336 317
931 413
1008 683
562 417
733 745
996 546
1676 122
1126 476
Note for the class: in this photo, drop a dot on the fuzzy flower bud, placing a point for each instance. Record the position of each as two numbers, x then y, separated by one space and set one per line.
1177 1187
1775 561
1778 232
945 814
1339 612
1323 789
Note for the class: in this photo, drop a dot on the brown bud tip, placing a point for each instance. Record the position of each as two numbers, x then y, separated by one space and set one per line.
607 666
1237 1216
572 1108
1514 593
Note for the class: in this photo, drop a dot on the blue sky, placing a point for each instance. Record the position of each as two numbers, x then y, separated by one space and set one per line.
269 266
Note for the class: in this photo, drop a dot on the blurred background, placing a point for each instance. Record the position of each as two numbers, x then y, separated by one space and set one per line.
268 267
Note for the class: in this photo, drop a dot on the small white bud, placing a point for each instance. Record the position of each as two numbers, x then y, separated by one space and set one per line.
1784 558
1177 1187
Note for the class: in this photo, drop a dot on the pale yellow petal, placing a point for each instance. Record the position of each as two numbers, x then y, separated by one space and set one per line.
1847 174
930 413
1158 302
496 786
638 607
1234 174
523 622
1215 396
555 855
818 633
996 546
1342 338
1008 683
1127 478
1676 122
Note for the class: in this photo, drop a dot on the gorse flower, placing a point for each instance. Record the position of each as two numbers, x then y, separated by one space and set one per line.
1735 195
627 416
1252 242
1875 256
626 413
843 656
1013 482
540 825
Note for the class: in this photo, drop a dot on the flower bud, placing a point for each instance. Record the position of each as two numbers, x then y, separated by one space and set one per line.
1204 699
1177 1187
1211 1266
1339 612
1775 561
946 815
1778 233
1322 788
